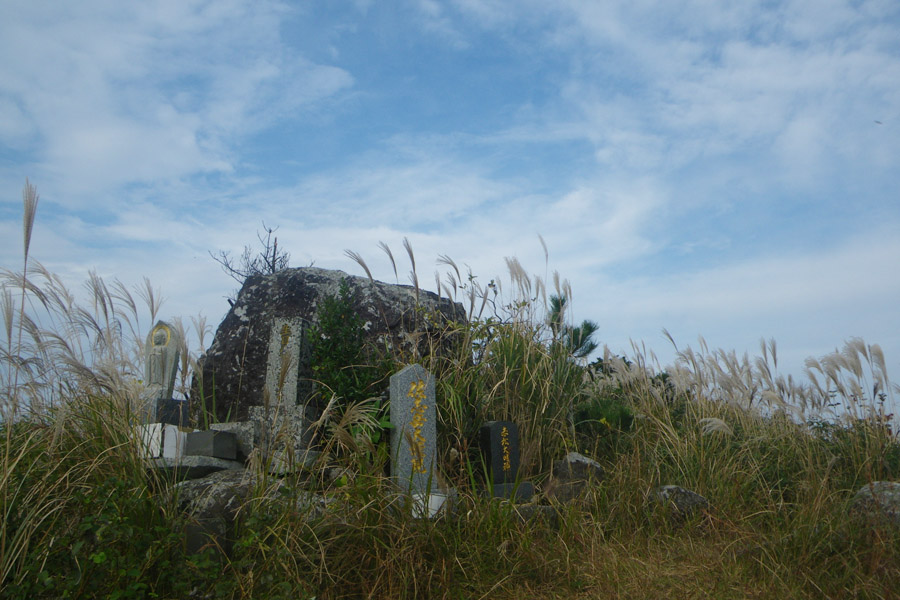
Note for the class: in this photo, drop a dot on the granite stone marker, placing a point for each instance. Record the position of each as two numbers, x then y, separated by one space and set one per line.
414 433
283 420
285 342
161 363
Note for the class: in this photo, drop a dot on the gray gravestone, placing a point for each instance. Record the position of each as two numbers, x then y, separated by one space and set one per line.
499 443
414 434
284 421
285 344
161 364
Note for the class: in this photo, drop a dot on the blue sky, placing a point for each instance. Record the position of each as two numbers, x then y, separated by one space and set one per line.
730 170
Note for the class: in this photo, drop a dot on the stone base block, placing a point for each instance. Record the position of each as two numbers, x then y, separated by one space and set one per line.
217 444
246 433
522 492
172 412
433 505
161 440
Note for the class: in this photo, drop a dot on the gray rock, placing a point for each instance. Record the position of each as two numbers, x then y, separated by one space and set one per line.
194 467
201 534
233 370
681 502
218 495
577 467
572 476
221 495
565 491
213 503
878 502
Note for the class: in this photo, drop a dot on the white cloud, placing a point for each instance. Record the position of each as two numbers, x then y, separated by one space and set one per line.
140 93
659 131
808 302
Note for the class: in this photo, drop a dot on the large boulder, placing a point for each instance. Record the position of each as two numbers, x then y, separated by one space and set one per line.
878 503
233 373
572 476
214 503
680 502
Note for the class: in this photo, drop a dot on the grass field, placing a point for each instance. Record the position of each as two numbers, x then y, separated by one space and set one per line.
779 461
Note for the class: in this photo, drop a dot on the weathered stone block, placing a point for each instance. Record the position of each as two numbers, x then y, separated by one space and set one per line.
217 444
193 467
246 434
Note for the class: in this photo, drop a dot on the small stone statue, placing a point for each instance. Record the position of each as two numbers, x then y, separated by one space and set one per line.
161 364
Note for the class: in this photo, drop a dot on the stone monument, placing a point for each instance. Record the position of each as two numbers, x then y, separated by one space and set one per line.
414 434
499 443
161 352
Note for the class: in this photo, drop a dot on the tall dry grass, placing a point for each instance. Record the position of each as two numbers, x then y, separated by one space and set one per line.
778 460
70 377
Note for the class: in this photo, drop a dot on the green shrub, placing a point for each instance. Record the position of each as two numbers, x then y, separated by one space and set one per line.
342 363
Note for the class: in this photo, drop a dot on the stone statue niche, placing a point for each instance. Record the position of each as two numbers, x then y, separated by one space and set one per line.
161 352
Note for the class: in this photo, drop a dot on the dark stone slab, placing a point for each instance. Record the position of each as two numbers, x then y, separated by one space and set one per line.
499 443
217 444
521 492
172 412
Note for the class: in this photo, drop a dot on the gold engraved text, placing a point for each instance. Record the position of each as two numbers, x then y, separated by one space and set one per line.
417 393
504 443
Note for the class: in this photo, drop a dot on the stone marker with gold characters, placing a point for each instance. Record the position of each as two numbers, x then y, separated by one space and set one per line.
499 442
414 434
